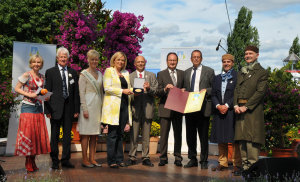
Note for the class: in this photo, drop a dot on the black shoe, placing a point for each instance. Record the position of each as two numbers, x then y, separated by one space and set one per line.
204 165
131 162
122 164
147 162
178 163
191 163
87 166
55 165
67 164
162 162
237 171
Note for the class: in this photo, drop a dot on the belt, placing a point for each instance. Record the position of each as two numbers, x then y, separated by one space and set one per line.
242 101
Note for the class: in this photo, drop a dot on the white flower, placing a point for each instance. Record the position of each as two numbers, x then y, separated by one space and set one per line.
70 75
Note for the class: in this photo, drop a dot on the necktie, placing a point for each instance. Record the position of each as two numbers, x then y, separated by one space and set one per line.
193 80
140 75
173 78
65 89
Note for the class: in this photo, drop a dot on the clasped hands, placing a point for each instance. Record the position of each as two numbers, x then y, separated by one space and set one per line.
222 109
240 110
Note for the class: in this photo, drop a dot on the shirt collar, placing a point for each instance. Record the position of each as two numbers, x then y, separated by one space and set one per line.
170 71
60 67
199 67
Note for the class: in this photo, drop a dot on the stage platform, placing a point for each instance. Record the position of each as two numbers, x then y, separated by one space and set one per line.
14 167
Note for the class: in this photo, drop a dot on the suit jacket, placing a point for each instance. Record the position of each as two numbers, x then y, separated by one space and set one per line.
222 130
252 87
164 78
54 84
206 81
113 95
144 103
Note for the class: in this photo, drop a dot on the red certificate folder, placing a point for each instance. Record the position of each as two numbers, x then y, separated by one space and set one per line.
176 100
185 102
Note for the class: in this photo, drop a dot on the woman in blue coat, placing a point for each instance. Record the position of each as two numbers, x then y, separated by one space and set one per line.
222 131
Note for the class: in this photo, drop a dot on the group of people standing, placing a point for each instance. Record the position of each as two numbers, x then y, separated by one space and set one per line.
109 104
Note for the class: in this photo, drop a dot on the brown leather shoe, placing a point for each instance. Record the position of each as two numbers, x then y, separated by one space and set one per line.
219 168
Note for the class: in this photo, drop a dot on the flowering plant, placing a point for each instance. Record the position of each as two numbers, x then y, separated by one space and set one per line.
155 129
124 33
281 109
8 103
78 33
61 134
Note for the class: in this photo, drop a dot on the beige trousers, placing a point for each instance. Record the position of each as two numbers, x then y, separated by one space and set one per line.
223 154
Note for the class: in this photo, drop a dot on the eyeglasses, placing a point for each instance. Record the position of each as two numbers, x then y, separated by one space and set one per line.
196 57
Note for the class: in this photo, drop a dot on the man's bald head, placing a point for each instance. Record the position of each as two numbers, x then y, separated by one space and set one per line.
140 63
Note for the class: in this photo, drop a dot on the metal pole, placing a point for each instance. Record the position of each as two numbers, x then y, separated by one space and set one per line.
121 6
228 17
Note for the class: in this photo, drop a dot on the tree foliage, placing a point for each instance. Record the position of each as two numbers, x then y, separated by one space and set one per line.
124 33
295 48
78 33
30 21
281 108
243 34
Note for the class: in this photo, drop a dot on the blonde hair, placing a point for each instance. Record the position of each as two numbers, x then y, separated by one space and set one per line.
118 55
33 58
92 54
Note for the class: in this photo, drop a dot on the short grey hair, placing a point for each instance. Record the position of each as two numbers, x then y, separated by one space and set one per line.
62 50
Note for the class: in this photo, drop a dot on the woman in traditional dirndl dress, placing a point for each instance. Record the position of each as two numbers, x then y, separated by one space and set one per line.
32 137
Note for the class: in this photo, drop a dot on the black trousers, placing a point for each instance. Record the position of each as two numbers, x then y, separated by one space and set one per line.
114 141
197 122
165 124
66 123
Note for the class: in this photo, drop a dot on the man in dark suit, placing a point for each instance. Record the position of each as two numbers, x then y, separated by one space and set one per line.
142 111
167 79
248 103
222 131
196 78
63 106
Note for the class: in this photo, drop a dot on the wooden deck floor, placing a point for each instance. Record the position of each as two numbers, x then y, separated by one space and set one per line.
14 167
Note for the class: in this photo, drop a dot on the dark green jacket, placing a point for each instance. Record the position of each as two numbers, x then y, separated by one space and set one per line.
252 87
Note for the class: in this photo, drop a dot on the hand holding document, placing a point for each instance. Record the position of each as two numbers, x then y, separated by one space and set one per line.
185 102
138 86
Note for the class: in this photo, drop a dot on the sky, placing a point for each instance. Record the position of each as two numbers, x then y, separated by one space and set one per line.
202 23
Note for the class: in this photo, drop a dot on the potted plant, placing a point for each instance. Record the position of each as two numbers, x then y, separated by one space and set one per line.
60 138
281 111
154 137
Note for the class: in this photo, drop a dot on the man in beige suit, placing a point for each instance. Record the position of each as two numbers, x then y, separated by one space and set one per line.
142 110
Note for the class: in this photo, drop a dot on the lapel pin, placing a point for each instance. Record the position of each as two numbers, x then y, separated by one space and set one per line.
249 76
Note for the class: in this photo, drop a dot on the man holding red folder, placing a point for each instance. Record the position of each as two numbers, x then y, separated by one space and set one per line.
167 79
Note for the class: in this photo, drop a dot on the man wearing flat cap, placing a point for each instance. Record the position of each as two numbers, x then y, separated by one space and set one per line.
248 105
223 124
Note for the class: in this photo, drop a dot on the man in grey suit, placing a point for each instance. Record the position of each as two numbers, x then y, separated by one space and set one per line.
142 111
196 78
167 79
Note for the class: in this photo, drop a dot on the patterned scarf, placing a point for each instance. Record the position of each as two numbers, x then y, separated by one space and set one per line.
226 76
